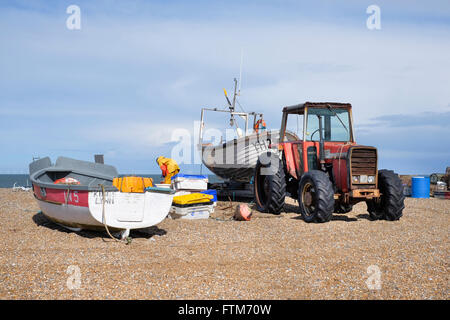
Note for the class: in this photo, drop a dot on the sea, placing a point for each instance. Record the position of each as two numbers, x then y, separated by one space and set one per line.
9 180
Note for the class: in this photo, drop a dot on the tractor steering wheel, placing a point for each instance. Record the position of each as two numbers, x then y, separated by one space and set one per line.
313 134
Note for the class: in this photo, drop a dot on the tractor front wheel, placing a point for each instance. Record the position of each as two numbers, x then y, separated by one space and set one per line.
390 204
316 196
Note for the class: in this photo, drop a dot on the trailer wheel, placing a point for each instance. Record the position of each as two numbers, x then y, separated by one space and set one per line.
269 189
316 196
391 203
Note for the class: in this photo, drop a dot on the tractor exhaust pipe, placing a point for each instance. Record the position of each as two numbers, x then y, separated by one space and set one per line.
321 145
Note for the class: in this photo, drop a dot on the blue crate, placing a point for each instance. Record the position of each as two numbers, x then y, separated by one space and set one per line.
211 192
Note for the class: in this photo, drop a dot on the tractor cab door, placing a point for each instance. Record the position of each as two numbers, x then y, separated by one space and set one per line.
312 146
293 145
335 126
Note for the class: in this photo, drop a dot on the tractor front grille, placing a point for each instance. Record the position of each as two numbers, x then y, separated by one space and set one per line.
363 162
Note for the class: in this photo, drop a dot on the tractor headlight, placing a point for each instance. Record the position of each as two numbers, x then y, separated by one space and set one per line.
371 179
355 179
363 178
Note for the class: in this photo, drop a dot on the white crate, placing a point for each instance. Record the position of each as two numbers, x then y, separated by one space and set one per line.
162 185
189 183
192 212
182 193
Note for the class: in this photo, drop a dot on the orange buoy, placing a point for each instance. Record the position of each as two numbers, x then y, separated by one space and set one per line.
242 213
67 180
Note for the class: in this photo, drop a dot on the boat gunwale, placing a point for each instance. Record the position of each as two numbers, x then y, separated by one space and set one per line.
61 169
77 187
34 178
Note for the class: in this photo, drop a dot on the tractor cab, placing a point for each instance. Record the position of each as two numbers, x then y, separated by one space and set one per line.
322 129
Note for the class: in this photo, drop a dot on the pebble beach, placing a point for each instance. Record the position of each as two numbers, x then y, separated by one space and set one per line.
268 257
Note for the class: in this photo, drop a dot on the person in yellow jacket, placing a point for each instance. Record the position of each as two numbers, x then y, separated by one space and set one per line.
169 168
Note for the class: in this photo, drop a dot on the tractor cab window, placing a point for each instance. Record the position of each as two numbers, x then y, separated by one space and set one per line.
294 127
335 124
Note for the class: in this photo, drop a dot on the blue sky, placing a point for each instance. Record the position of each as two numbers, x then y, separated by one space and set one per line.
137 70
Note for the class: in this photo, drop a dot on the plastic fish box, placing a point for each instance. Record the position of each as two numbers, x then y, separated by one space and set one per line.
181 193
211 192
190 182
162 185
192 212
192 199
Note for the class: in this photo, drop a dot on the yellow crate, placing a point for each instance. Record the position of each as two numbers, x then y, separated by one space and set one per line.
192 198
132 184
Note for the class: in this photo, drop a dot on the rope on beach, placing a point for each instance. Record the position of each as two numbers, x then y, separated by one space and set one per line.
223 220
104 220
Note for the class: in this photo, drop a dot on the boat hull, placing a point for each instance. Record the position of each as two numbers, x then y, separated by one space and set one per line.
236 160
121 210
80 217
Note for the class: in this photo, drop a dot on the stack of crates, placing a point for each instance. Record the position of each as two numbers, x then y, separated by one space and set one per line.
192 206
192 198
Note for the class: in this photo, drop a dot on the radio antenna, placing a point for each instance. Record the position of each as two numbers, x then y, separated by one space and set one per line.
240 72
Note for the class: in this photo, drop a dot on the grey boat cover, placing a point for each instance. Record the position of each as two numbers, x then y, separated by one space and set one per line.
90 174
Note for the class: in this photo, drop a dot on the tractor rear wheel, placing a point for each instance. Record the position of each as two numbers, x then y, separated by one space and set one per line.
270 190
390 204
316 196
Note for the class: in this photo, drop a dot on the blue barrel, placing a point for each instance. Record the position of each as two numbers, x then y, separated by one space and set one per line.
420 187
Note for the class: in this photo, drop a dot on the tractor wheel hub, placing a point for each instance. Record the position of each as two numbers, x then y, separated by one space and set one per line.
308 198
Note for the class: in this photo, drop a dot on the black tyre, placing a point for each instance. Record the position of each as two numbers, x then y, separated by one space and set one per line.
375 212
270 189
316 196
434 178
342 207
391 203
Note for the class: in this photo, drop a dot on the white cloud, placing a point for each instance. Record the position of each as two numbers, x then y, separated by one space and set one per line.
132 134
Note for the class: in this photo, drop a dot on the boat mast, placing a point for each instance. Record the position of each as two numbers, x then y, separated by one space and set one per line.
234 96
240 73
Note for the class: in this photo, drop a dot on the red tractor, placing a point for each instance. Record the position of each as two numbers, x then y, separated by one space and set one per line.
318 162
